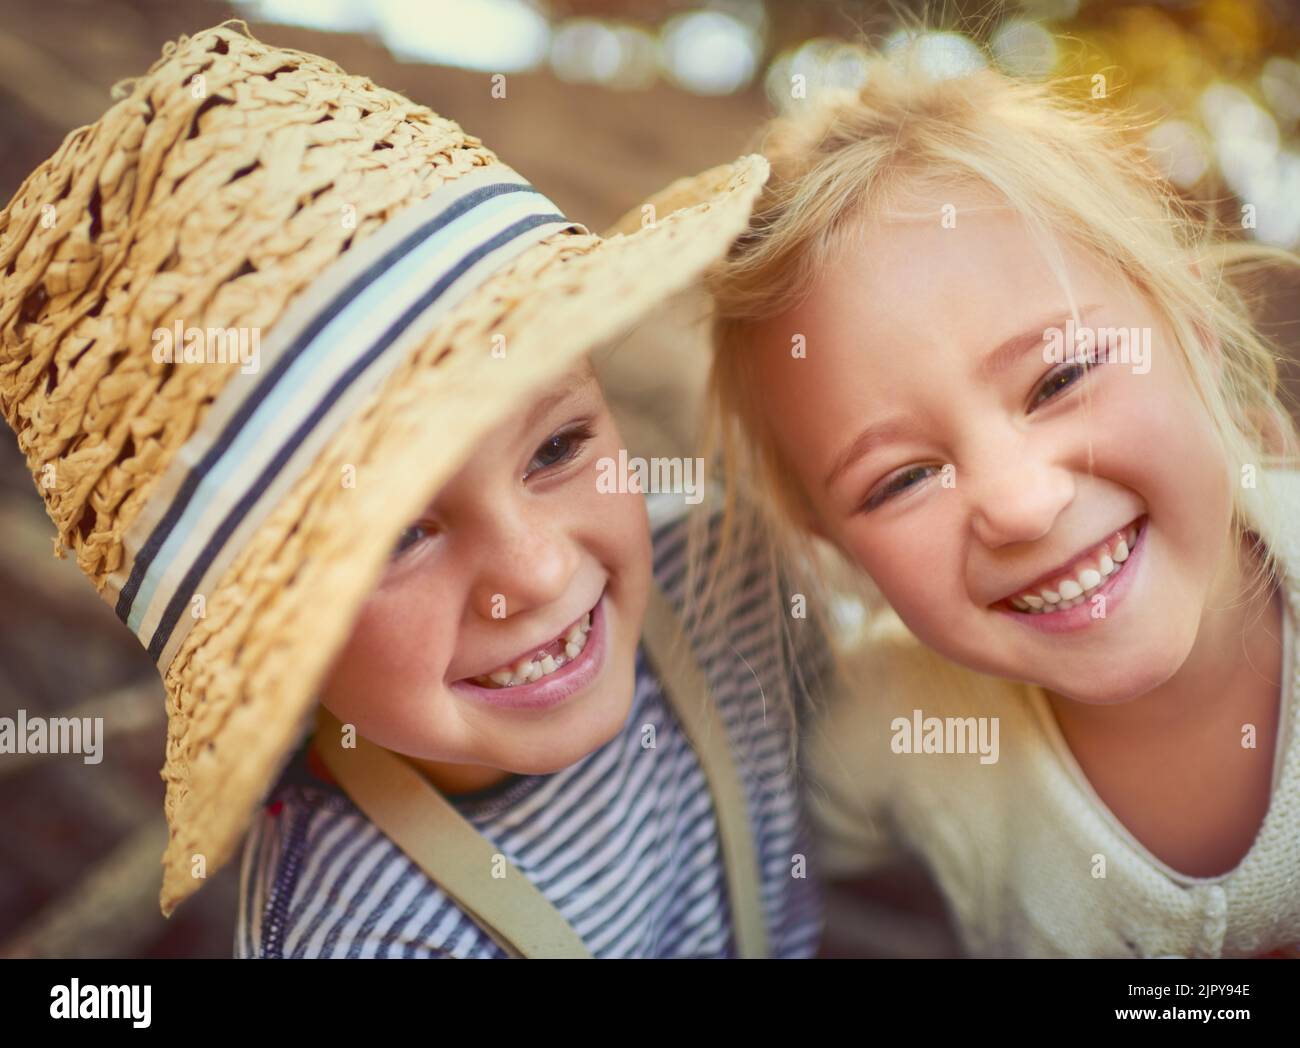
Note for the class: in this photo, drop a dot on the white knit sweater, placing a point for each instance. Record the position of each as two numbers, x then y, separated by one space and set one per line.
1014 845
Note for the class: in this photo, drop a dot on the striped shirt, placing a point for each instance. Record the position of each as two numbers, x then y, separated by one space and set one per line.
624 843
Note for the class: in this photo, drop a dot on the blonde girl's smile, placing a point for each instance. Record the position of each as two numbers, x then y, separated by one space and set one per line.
1087 589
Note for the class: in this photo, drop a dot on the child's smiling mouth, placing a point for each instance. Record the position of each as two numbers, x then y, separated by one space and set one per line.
537 690
1084 576
540 660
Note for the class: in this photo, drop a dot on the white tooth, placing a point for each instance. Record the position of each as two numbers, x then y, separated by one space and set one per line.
1107 565
572 650
502 677
1121 552
1016 602
1051 596
575 631
1089 579
534 673
523 667
548 665
1069 589
1034 602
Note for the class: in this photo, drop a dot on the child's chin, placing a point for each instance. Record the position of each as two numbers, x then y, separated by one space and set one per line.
604 716
1116 685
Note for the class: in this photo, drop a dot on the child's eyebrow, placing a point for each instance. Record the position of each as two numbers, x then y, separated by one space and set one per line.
892 428
1013 348
571 388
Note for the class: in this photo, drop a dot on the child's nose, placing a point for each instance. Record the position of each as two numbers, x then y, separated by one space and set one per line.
1016 496
528 568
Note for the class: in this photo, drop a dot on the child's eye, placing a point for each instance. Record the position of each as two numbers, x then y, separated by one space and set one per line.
1057 381
560 448
408 539
1062 377
897 484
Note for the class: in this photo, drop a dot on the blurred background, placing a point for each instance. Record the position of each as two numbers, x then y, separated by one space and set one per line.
608 101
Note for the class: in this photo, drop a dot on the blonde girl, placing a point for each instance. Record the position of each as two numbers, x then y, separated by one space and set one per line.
975 347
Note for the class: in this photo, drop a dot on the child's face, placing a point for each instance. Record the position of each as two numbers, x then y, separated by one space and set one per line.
1052 466
507 562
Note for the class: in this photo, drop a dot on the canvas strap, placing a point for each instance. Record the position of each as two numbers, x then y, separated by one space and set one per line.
484 883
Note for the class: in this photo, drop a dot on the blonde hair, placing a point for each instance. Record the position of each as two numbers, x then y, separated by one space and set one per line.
1070 166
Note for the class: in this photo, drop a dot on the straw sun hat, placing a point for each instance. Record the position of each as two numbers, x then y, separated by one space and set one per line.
404 289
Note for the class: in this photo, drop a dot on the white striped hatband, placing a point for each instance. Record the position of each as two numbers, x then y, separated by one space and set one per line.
330 350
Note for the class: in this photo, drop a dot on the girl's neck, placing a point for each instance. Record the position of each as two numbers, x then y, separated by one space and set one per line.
1238 651
1173 765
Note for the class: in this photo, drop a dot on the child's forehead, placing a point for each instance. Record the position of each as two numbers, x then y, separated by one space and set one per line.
578 384
930 204
580 378
898 298
968 242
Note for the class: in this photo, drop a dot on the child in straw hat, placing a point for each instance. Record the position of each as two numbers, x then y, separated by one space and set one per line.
301 370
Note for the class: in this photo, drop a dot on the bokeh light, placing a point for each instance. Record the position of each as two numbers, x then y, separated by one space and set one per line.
1180 150
588 50
1025 48
710 52
498 36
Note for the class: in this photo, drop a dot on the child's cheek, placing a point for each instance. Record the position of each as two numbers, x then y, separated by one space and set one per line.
399 648
1154 436
613 535
916 563
612 524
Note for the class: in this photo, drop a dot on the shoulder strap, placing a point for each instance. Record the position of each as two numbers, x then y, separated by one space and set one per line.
688 691
422 822
510 909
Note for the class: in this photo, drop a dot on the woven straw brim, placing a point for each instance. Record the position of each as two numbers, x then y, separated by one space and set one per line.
221 209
